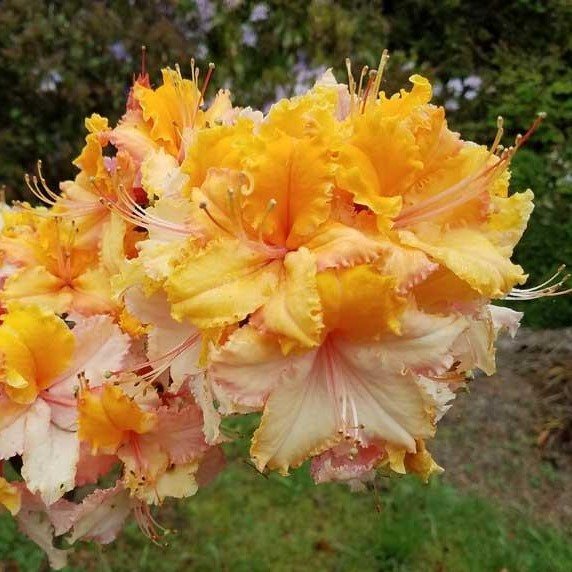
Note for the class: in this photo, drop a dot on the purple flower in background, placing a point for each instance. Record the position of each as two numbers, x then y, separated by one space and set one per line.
473 82
455 85
249 36
259 13
118 51
452 105
50 81
206 11
305 75
470 94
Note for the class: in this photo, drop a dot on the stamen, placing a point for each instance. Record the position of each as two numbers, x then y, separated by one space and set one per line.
203 206
193 77
130 211
382 63
471 186
547 289
147 524
271 205
235 214
351 81
371 80
203 90
364 71
143 60
497 140
156 367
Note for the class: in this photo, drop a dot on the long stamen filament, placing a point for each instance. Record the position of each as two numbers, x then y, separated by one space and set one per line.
269 208
547 289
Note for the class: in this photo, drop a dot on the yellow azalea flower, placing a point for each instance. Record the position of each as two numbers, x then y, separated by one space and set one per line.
356 389
10 497
453 217
35 347
167 115
221 146
107 418
54 272
329 264
260 224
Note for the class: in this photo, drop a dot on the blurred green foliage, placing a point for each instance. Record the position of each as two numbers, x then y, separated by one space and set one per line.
62 60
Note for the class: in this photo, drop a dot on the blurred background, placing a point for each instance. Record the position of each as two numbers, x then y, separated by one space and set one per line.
505 502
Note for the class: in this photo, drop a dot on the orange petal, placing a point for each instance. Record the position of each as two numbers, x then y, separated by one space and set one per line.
106 419
360 302
299 176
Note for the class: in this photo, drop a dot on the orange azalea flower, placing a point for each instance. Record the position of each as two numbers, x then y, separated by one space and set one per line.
108 418
54 272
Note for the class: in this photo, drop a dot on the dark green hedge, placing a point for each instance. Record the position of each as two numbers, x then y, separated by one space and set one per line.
62 60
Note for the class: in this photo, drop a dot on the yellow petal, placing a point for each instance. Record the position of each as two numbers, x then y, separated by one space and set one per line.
48 341
336 245
360 302
408 265
443 291
35 285
92 293
218 147
508 221
472 257
404 103
421 462
169 108
221 284
161 175
294 310
306 115
380 160
132 135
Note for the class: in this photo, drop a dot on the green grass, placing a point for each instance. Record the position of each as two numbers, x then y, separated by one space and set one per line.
245 522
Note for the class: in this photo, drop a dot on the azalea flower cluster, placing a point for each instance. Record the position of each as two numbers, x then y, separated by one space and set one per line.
330 264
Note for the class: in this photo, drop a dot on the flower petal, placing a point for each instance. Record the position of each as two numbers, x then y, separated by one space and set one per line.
161 175
472 257
50 455
294 310
360 302
298 419
221 284
180 433
296 173
336 245
248 366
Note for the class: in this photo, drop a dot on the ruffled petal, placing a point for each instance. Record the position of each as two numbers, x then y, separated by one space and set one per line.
336 245
221 284
472 257
294 311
